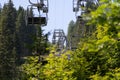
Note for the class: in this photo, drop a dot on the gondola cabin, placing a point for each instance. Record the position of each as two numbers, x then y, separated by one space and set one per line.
37 20
41 8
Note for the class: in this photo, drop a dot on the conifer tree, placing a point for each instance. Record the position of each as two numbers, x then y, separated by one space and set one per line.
20 32
7 42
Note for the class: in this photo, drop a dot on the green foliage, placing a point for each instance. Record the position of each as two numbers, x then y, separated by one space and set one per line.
7 43
58 68
101 52
31 69
111 75
20 34
71 29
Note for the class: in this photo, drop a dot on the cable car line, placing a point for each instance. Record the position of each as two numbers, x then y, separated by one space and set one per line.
59 38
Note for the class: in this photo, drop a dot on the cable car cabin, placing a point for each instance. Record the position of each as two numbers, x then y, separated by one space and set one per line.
37 20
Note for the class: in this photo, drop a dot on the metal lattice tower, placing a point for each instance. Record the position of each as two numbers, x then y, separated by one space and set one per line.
60 40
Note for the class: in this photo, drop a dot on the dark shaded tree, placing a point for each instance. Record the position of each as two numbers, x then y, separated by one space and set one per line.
20 33
7 42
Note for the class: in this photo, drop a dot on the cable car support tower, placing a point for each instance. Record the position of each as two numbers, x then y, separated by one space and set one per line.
60 40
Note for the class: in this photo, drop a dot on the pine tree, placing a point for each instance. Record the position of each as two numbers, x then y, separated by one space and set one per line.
20 32
7 42
71 33
71 27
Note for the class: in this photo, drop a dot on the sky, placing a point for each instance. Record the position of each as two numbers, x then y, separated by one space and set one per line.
59 15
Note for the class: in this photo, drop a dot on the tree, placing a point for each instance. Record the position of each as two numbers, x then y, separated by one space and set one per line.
7 41
71 27
20 33
74 33
102 52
